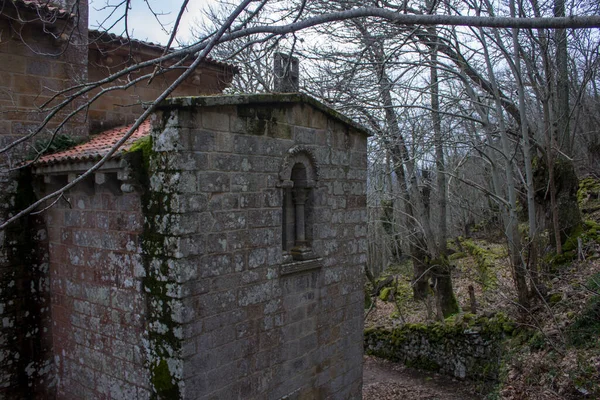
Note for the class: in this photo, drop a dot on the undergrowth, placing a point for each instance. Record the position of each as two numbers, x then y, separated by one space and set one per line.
554 351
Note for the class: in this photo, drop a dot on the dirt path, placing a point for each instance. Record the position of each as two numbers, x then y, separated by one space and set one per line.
383 380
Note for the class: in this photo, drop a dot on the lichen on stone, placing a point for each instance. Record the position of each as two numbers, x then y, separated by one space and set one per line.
164 339
465 346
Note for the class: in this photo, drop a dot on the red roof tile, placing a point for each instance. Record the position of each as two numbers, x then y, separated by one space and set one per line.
97 147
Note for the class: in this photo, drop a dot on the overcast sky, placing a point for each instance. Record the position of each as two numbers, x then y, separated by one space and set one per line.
142 24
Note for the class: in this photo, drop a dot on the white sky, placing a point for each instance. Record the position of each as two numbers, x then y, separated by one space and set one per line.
142 23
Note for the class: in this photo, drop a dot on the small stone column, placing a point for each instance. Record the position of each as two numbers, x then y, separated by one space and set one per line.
300 251
300 196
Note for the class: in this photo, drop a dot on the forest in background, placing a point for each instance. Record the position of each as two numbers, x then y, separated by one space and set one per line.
466 123
483 163
483 169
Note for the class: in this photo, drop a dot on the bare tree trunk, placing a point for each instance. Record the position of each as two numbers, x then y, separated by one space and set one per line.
562 84
396 245
527 158
441 268
512 229
439 152
418 248
445 293
551 135
489 151
564 218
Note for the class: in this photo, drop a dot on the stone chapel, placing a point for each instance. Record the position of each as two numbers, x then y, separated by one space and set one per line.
218 254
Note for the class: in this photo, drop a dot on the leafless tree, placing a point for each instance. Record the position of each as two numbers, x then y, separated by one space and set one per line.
254 28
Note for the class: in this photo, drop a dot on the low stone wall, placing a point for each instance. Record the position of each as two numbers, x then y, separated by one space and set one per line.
467 348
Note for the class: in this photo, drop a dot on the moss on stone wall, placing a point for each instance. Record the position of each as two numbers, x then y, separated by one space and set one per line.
484 260
466 346
589 189
165 342
144 147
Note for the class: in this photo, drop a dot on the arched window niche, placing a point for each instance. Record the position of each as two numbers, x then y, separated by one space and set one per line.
299 175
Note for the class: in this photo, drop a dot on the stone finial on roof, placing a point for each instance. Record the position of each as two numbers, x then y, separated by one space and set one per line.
286 69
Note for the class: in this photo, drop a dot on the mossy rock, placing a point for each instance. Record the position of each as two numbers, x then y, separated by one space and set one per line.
555 298
443 340
562 259
589 189
457 256
587 231
385 293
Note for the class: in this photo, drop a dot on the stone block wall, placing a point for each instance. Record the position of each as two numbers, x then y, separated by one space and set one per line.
178 284
121 107
34 64
98 306
41 53
237 318
25 341
468 348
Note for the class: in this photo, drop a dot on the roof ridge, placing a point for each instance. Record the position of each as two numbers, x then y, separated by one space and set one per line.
115 39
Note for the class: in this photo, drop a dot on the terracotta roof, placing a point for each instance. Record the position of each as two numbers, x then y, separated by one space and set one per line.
97 147
46 10
111 39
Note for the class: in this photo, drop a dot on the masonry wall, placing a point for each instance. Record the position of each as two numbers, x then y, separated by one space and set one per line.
38 58
98 306
121 107
25 344
468 348
33 66
245 326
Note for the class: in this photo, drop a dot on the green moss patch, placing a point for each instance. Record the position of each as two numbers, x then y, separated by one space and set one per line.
163 382
464 346
457 256
164 344
588 193
588 231
484 261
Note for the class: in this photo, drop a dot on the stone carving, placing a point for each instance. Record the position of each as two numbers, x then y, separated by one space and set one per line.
299 155
299 174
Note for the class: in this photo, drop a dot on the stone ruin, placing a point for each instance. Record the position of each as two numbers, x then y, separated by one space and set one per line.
217 255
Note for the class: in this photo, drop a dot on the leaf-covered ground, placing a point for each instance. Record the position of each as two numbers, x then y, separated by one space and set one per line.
384 380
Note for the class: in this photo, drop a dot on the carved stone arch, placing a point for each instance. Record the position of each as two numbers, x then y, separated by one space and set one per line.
299 174
299 155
